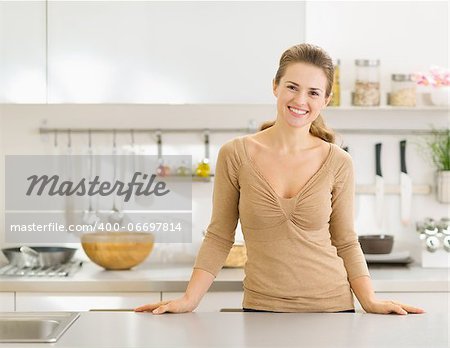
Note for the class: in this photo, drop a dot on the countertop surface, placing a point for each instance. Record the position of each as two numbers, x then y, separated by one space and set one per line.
174 278
127 329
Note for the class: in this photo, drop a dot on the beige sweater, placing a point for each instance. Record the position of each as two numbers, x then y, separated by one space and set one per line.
301 251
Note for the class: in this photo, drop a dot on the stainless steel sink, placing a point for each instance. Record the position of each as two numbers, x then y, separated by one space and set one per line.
34 327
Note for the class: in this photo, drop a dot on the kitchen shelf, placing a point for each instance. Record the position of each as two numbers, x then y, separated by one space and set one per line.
387 108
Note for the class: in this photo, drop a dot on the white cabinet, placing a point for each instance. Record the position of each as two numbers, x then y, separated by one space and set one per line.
168 52
145 51
431 302
6 302
22 51
212 301
47 301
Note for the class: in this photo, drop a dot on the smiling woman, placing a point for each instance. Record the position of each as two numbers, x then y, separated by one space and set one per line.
292 189
304 73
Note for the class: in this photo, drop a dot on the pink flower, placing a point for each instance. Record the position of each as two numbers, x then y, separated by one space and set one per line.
436 77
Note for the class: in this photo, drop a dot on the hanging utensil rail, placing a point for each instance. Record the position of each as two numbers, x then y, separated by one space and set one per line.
45 130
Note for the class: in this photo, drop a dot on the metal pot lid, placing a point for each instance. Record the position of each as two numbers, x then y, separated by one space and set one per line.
401 77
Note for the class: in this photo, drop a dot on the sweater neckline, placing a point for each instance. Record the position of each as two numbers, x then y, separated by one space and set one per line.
308 183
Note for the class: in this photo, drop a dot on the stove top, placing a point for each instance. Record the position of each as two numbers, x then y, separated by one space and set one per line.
62 270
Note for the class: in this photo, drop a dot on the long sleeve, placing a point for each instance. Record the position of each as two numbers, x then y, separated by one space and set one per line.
225 213
343 235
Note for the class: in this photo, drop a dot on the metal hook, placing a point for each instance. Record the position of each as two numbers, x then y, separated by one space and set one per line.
90 139
206 137
69 138
159 143
158 136
252 126
132 137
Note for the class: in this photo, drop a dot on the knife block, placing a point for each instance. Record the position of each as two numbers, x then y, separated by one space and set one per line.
438 259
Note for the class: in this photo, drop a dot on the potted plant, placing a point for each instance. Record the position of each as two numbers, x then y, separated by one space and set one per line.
438 146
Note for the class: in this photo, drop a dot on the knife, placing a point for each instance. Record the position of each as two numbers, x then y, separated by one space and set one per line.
405 187
379 188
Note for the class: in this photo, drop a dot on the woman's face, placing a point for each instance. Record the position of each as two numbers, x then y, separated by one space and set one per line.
301 94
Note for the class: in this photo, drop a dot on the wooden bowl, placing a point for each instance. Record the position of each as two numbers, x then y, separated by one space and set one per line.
117 250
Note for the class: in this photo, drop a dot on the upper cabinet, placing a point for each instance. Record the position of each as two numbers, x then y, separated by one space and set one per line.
156 52
22 52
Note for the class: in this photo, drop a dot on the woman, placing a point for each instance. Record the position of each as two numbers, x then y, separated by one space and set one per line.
292 190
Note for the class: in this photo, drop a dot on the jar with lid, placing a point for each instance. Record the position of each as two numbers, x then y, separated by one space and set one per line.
403 90
336 89
367 82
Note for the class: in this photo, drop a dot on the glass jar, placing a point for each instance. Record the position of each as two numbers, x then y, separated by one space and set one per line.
336 90
367 83
403 90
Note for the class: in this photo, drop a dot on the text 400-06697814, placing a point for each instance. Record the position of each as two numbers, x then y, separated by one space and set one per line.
100 226
141 227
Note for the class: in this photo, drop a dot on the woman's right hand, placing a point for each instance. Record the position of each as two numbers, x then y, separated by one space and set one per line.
198 285
179 305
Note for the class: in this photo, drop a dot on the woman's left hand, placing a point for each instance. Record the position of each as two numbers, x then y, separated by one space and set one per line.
390 307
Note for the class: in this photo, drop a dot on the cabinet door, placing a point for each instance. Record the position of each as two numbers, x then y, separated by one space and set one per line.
22 47
45 301
212 301
6 302
431 302
168 52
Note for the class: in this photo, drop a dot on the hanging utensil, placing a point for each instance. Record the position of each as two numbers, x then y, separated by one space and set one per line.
116 215
379 188
134 153
69 200
89 216
203 169
405 187
162 169
144 166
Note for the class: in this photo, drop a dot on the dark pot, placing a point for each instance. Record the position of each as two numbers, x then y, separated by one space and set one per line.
376 243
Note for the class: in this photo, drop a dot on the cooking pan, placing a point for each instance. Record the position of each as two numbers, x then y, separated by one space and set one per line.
38 256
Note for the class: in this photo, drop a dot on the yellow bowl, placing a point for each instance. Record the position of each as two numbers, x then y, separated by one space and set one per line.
117 250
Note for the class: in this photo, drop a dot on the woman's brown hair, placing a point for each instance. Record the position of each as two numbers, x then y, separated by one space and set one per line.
314 55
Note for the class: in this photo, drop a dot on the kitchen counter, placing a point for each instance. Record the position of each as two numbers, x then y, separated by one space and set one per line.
174 278
127 329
